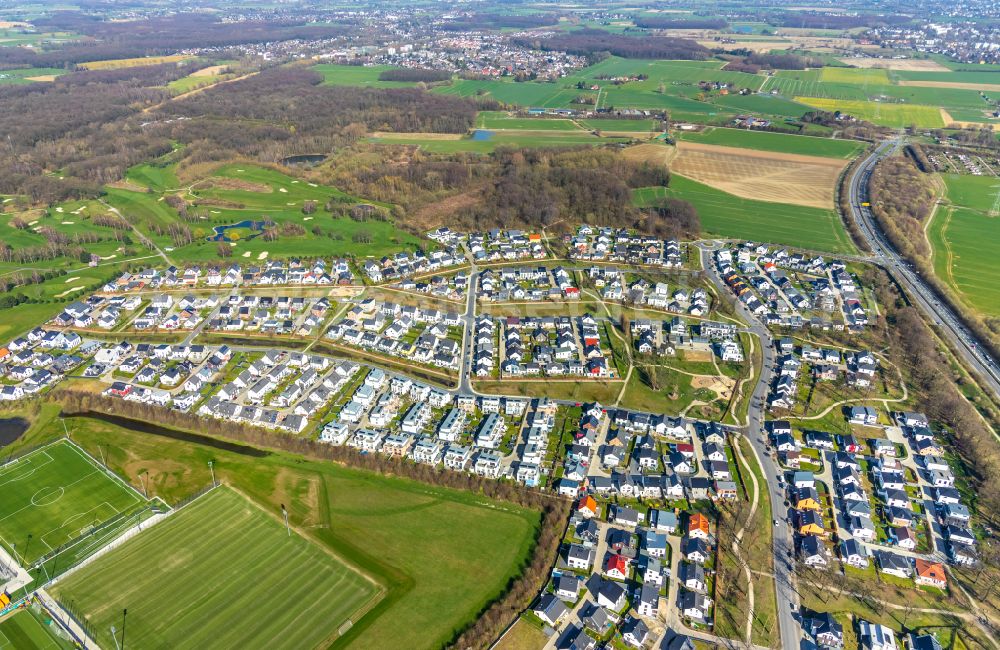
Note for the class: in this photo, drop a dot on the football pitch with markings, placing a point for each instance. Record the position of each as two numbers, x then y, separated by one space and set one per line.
55 494
219 573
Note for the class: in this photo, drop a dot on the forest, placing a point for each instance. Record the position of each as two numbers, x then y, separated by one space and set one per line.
89 124
599 43
154 36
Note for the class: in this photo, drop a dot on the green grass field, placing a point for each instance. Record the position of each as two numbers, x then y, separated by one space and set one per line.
863 76
356 75
221 572
497 120
500 139
779 142
885 114
55 494
443 554
726 215
23 630
19 77
965 237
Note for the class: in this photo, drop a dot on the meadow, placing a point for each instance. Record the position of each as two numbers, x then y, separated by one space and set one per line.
551 138
219 572
777 142
882 113
965 237
55 494
441 554
356 75
725 215
29 75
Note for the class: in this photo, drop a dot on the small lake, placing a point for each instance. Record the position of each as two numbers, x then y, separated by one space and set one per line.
303 160
11 429
220 231
481 135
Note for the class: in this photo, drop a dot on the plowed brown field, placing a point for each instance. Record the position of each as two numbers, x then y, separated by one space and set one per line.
761 175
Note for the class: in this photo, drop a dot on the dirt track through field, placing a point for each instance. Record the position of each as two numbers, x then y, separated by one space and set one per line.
761 175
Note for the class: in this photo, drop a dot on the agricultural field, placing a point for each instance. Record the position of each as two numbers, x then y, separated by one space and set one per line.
965 237
435 143
200 79
256 582
18 37
885 114
499 121
55 494
760 175
356 75
28 75
776 142
26 630
726 215
414 539
131 63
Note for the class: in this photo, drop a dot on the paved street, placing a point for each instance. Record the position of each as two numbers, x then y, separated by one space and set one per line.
783 544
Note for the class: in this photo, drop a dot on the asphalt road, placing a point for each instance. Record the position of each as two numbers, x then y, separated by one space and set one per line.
783 544
923 295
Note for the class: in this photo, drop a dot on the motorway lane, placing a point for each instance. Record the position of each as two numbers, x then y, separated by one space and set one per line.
949 324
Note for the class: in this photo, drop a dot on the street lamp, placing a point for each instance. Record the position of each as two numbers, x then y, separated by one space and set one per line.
124 612
211 467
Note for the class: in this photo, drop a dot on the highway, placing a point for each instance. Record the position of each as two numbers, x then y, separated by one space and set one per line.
921 293
782 542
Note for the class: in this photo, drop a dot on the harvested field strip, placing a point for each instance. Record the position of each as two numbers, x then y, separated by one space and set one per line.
762 176
951 84
129 63
912 65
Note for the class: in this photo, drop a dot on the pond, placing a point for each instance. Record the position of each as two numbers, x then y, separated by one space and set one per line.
11 429
220 231
166 432
305 159
482 135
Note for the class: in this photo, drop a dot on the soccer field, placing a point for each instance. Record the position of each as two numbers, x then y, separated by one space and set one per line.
55 494
220 573
23 631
